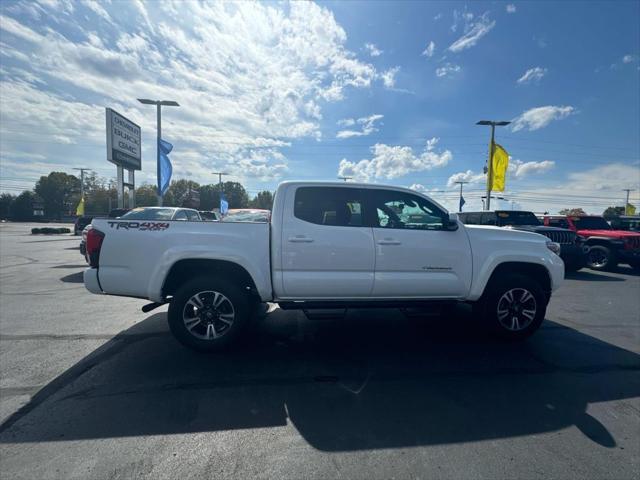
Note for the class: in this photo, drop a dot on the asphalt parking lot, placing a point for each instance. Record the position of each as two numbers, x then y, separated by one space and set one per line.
91 387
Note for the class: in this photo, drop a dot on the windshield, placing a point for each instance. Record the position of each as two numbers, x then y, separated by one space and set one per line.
590 223
149 214
516 218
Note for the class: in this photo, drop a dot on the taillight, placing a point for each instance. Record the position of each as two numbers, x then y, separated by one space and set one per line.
94 242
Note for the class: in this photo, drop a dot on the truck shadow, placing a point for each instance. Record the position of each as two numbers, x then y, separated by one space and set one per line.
375 379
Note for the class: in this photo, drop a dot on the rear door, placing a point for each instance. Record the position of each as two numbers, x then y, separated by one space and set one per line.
327 250
415 256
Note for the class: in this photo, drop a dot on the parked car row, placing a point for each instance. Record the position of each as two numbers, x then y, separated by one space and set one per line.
585 240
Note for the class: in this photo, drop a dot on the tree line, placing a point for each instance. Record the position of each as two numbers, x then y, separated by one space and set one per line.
58 195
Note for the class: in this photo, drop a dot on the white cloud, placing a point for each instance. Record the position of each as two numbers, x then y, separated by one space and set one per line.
476 30
394 161
389 77
533 75
447 70
520 169
468 176
373 50
629 58
438 16
540 117
249 78
510 8
367 126
430 50
517 171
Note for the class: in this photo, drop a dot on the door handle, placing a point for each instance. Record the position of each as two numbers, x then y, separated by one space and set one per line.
389 241
300 239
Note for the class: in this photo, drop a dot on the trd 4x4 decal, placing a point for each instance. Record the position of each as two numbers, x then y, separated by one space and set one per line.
152 226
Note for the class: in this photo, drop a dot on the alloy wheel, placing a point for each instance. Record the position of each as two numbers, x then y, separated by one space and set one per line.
208 315
516 309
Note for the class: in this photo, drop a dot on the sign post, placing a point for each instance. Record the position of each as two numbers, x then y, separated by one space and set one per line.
124 150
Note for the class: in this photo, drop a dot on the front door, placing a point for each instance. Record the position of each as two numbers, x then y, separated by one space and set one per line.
327 251
416 257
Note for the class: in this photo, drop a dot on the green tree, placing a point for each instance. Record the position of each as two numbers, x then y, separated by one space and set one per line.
22 206
6 200
59 192
234 192
262 200
613 212
178 190
572 211
147 196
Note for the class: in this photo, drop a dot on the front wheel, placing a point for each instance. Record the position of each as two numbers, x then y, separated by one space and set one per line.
514 306
601 258
208 314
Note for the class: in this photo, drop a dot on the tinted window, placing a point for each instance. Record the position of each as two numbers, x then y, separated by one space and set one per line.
488 218
470 218
402 210
329 206
591 223
510 217
558 222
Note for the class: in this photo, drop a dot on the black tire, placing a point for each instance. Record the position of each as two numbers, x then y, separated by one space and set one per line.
601 258
221 335
635 266
496 298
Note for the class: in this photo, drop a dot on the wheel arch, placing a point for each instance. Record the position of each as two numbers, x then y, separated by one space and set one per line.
186 269
534 270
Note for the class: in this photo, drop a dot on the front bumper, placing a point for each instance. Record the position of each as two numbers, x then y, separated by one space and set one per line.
91 281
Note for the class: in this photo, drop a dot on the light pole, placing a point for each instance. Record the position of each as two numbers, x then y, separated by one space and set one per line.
493 125
460 203
84 169
220 183
159 104
626 203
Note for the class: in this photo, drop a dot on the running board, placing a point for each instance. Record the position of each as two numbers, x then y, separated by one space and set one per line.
336 304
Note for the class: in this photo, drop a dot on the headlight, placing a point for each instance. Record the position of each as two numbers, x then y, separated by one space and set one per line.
554 247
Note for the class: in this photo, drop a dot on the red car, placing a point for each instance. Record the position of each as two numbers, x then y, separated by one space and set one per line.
607 247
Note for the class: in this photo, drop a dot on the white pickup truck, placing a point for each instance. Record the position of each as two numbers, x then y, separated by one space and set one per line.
328 245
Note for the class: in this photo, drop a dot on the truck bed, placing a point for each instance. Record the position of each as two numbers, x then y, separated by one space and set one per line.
137 255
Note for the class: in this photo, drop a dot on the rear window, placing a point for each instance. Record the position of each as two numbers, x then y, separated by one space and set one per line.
329 206
516 218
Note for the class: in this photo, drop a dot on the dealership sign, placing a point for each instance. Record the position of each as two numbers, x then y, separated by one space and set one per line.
123 141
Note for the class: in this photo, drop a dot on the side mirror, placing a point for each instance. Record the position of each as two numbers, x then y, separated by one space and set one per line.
452 222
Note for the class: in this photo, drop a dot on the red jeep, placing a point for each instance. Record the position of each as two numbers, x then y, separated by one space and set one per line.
607 247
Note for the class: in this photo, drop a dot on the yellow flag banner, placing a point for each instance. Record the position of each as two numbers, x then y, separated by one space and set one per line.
80 209
630 209
499 165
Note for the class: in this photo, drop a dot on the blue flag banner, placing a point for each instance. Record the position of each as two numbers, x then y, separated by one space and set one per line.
165 166
224 205
462 202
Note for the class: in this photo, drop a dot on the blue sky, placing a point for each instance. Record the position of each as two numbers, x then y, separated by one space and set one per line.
385 92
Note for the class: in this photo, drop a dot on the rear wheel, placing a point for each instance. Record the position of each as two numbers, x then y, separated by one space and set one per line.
208 314
601 258
635 265
514 306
